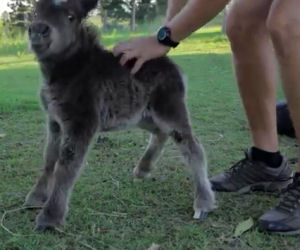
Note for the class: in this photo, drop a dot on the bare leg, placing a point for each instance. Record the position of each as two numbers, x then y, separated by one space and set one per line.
255 68
42 189
151 154
284 26
71 156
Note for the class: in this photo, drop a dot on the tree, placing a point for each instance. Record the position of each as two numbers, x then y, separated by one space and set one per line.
130 10
145 10
20 13
133 14
113 9
161 7
5 19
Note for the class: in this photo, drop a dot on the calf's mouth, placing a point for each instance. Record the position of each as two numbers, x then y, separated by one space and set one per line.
39 37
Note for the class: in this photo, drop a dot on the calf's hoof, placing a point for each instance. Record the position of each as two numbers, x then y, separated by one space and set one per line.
203 204
46 222
44 228
140 174
200 215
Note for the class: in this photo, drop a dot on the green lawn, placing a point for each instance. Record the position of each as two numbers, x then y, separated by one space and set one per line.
108 210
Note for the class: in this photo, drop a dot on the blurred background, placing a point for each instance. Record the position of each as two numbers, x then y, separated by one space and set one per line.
109 15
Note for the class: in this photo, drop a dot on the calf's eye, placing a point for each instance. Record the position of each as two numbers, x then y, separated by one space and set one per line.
71 17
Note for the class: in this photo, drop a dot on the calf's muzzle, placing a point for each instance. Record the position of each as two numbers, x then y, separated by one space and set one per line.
38 32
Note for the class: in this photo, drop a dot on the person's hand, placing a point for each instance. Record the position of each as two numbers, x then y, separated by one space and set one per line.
143 49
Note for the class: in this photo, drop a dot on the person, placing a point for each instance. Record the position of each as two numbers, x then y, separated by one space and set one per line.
250 26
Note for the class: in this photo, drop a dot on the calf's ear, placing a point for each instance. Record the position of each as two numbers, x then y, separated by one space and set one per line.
87 5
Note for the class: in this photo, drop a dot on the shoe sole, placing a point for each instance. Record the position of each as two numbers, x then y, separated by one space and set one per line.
288 233
296 232
261 186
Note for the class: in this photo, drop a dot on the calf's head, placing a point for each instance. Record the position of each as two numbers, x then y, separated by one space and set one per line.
56 26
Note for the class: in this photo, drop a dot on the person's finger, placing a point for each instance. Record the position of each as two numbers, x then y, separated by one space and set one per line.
121 47
137 66
127 55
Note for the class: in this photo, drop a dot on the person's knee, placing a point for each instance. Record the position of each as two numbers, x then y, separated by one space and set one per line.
241 29
284 31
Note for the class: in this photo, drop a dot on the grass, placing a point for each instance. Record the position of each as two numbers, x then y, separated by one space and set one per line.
108 210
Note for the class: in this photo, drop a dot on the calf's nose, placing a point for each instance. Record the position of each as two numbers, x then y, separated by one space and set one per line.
39 29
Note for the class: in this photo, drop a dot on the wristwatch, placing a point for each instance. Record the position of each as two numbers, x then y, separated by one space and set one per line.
164 37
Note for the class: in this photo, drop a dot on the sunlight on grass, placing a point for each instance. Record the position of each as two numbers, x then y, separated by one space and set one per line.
204 41
15 59
15 62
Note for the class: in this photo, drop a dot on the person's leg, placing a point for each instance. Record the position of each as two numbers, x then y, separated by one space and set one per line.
284 26
255 67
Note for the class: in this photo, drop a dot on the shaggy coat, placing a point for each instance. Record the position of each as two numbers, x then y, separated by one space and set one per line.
85 90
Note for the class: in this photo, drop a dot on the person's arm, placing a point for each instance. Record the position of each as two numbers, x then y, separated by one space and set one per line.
174 7
195 14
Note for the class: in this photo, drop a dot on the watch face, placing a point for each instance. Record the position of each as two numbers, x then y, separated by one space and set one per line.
162 34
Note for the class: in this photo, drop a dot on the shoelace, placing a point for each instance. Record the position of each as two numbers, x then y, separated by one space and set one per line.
239 166
291 197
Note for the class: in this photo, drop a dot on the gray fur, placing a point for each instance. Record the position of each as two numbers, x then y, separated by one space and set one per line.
85 90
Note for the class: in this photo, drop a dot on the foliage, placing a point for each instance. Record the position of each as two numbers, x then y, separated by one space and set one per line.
112 13
161 7
120 10
1 29
20 12
116 9
146 11
243 227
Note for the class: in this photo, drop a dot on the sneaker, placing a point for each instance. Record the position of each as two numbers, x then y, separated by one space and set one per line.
249 175
285 217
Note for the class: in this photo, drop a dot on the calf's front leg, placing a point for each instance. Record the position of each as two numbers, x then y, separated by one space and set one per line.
71 157
42 189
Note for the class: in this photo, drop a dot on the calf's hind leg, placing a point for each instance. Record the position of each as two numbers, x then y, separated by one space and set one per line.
155 146
175 118
42 189
193 152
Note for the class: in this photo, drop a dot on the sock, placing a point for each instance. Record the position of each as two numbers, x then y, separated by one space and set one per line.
271 159
297 175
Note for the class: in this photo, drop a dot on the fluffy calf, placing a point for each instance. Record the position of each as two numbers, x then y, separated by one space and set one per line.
85 90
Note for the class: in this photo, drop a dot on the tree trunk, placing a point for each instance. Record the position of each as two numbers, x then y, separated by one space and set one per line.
132 20
6 29
103 16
